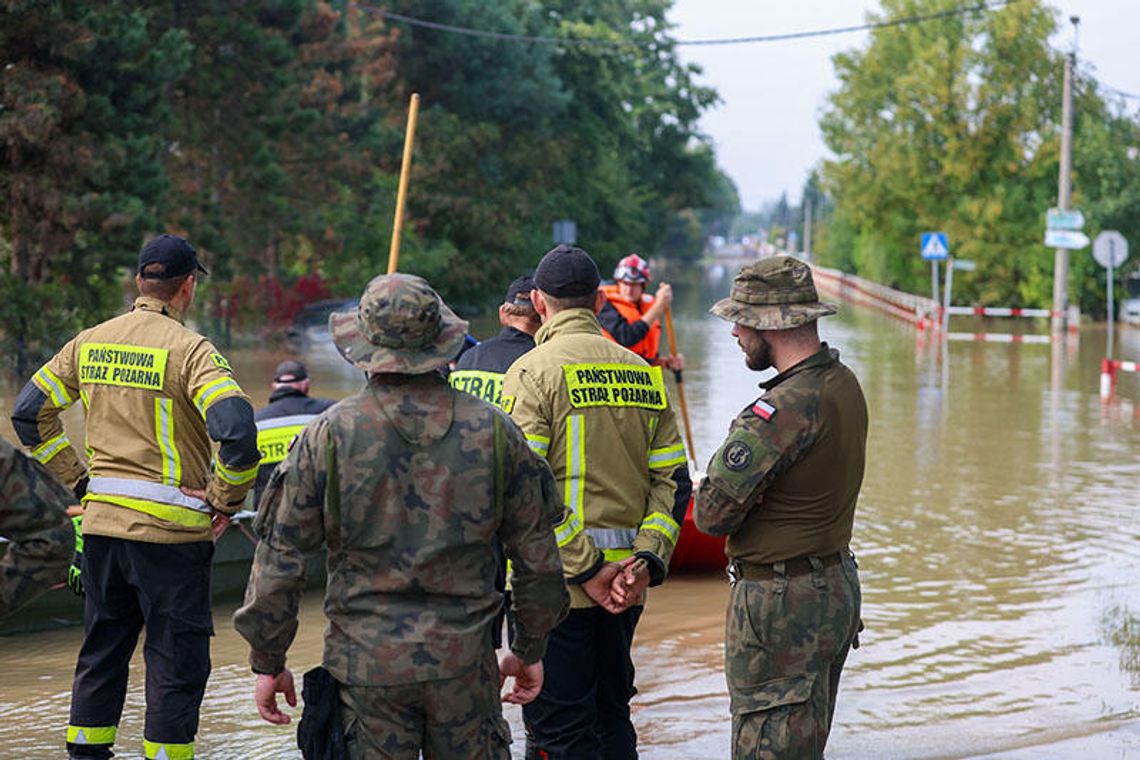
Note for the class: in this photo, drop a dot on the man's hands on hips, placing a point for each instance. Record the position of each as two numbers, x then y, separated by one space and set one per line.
219 521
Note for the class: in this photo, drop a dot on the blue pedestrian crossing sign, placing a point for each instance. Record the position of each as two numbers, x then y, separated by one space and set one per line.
935 246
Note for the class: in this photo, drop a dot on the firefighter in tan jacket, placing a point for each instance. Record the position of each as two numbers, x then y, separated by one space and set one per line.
155 393
600 416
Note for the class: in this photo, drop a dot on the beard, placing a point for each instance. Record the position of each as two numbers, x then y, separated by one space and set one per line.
758 357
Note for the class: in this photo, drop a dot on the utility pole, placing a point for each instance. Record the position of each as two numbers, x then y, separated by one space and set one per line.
1064 186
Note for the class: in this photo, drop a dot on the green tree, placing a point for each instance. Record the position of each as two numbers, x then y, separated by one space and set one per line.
948 125
84 96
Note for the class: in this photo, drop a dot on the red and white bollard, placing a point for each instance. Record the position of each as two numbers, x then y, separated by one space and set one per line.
1107 378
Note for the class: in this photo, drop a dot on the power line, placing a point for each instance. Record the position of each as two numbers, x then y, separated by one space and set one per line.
847 29
579 42
1119 93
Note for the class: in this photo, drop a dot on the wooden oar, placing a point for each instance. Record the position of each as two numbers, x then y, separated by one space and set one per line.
402 192
680 384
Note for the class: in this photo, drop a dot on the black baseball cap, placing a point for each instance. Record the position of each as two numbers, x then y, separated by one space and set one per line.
177 257
290 371
566 272
519 291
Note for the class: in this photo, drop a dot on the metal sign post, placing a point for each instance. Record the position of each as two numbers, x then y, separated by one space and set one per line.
1110 250
934 247
946 296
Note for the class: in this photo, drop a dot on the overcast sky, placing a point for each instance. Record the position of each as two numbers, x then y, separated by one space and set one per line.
772 93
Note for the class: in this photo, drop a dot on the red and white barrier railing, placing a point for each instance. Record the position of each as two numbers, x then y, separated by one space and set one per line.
1108 371
1000 311
908 307
1002 337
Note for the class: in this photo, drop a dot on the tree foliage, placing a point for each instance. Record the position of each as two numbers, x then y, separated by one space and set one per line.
270 134
953 125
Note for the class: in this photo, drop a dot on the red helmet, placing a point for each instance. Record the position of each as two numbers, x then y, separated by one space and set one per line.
632 268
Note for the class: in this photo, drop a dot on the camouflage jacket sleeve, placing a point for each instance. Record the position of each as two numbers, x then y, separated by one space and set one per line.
756 452
530 408
290 524
36 420
33 517
531 510
658 532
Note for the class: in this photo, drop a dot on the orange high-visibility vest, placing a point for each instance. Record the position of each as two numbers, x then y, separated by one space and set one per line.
647 347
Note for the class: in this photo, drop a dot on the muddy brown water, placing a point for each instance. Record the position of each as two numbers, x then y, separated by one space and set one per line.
998 538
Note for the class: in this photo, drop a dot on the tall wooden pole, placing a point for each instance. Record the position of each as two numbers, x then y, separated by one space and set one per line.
402 192
680 383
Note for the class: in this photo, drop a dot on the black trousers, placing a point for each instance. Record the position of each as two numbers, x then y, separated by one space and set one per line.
129 585
583 709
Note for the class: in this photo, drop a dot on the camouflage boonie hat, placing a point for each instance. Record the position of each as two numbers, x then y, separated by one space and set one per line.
776 293
401 326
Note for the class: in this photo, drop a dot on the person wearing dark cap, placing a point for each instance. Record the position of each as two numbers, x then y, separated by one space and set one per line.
480 369
290 408
600 416
408 483
783 488
155 393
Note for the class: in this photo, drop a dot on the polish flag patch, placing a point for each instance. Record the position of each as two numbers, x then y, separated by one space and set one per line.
763 409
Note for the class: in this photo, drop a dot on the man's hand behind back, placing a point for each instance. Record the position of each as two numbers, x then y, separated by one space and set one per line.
630 584
599 587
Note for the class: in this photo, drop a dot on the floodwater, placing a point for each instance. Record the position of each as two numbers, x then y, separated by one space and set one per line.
998 539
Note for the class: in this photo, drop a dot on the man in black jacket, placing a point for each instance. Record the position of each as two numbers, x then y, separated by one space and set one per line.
480 369
290 408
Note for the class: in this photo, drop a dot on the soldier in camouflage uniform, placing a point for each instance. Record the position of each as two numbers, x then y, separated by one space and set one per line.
408 483
783 488
33 517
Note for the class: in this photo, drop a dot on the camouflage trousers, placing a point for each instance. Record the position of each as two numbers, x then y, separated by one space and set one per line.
457 718
785 643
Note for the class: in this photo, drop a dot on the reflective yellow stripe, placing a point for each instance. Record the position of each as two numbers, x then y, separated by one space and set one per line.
666 457
576 464
617 555
615 385
167 750
480 384
210 392
235 477
507 403
164 431
662 523
565 532
85 399
273 443
49 448
53 387
91 734
123 365
539 444
178 515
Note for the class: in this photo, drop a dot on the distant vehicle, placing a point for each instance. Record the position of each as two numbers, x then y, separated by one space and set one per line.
311 325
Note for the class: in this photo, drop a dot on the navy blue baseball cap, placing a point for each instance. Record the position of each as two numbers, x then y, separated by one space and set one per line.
519 291
177 257
566 272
